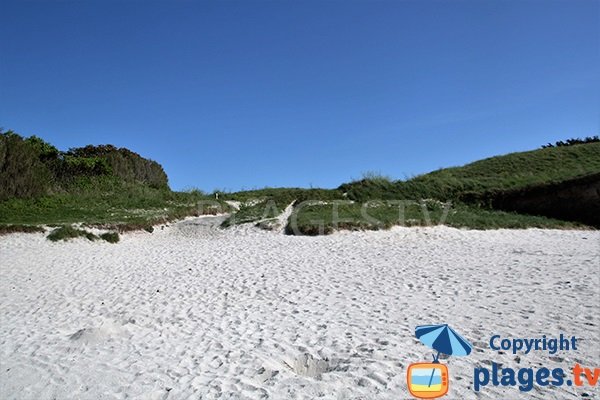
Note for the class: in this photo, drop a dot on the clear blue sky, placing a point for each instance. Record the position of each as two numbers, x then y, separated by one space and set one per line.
248 94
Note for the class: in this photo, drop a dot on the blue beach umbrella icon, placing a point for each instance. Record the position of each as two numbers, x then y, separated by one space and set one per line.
444 340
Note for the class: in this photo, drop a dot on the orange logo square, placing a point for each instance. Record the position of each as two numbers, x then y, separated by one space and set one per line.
427 380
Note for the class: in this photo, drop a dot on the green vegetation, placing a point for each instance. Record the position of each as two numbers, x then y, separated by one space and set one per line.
32 167
283 195
463 216
67 232
110 237
6 229
115 188
470 189
268 203
319 219
107 201
511 171
123 163
97 185
22 172
574 141
255 211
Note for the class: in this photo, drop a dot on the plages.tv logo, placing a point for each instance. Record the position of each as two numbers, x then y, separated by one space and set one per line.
526 378
430 380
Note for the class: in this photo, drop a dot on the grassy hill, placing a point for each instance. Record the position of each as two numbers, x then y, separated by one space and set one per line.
95 185
506 172
471 190
117 188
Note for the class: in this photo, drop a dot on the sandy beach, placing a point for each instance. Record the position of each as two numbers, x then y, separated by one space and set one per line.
193 311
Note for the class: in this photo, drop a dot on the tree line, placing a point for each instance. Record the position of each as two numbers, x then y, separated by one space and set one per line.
31 167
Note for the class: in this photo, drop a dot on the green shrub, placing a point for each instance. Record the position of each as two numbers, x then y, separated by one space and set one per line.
45 150
22 174
32 167
125 164
66 232
110 237
70 167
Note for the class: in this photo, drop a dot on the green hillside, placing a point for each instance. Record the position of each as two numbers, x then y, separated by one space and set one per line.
510 171
96 185
115 187
470 189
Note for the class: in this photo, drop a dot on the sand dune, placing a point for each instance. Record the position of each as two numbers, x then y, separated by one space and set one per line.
194 311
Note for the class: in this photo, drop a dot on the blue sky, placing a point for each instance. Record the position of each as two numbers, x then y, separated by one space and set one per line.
234 95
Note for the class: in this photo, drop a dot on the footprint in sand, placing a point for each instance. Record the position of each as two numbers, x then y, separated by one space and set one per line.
106 330
309 366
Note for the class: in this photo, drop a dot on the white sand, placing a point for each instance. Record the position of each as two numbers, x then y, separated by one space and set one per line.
197 312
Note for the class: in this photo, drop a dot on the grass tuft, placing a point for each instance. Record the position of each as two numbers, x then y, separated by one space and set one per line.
110 237
6 229
66 232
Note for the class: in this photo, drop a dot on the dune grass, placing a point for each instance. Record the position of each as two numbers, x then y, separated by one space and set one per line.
67 232
319 219
268 203
18 228
261 209
510 171
108 202
283 195
110 237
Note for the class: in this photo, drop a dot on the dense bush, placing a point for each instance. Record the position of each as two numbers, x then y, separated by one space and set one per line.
110 237
125 164
31 167
44 149
67 232
69 168
22 172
